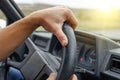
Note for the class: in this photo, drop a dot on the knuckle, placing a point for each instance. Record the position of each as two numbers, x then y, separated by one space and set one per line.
59 35
68 12
63 6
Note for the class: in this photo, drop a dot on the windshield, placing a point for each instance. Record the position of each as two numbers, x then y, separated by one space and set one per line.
98 16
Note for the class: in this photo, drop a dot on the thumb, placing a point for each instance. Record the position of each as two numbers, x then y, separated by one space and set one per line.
52 76
61 37
73 77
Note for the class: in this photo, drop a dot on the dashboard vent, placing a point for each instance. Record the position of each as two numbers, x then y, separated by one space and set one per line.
115 65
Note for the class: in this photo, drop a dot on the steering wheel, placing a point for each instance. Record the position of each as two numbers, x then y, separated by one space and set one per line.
39 64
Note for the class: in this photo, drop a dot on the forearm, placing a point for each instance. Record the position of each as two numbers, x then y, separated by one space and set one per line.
51 19
15 34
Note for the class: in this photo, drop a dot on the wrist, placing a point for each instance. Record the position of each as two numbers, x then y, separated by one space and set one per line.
32 21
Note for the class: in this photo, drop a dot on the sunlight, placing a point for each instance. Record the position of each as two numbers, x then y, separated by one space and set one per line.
104 15
105 6
106 10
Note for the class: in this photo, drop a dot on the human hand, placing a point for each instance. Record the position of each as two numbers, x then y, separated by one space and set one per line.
53 77
52 20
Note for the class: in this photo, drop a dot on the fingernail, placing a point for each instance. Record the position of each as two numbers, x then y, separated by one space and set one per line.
75 77
64 43
53 74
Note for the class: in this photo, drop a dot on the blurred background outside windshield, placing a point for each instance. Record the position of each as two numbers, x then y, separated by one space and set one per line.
93 15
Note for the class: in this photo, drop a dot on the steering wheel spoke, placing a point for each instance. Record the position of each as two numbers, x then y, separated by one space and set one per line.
39 64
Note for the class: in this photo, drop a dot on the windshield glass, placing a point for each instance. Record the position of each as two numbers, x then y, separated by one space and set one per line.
99 16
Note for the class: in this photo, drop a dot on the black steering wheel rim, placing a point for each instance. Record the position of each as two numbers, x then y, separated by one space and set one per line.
69 56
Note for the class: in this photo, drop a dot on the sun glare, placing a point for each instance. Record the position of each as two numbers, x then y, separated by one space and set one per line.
105 6
106 10
105 15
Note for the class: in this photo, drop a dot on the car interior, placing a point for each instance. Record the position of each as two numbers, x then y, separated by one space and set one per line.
88 55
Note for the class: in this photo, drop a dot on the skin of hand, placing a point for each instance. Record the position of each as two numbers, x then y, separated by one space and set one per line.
53 77
57 16
51 19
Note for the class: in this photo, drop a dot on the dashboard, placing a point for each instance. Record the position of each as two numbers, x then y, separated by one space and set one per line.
86 53
97 57
86 56
94 57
